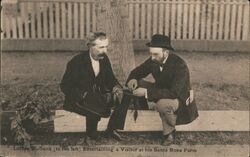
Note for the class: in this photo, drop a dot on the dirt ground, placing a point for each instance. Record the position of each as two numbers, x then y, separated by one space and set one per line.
220 81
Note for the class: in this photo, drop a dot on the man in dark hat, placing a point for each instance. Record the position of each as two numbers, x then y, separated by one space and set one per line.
89 84
171 90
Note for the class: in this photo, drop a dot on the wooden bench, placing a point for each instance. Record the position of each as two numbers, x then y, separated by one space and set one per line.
150 121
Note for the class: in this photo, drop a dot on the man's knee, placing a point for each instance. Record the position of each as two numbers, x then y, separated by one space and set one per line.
167 105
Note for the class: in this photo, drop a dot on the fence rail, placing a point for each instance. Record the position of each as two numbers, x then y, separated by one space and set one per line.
180 19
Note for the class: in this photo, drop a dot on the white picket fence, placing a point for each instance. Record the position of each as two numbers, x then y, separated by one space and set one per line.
180 19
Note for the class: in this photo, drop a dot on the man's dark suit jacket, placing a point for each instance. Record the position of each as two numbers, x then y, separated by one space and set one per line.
79 79
172 83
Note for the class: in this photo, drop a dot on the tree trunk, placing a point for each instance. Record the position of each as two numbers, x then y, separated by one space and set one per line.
112 18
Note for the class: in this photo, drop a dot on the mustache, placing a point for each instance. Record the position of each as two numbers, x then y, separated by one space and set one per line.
101 55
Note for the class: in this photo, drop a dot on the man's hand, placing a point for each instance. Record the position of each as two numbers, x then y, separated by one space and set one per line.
140 92
132 84
118 93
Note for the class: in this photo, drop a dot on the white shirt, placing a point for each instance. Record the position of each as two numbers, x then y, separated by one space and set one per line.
161 68
95 65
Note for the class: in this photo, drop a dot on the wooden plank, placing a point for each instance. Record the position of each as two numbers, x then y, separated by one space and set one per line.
87 18
245 29
227 22
39 20
149 20
137 18
51 21
57 20
69 22
203 21
185 19
233 22
63 14
179 20
33 19
197 20
215 21
221 22
155 18
75 18
167 19
82 20
143 21
161 18
173 19
191 20
209 19
131 19
150 121
93 18
239 22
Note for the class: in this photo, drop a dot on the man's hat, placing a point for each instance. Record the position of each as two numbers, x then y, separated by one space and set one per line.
161 41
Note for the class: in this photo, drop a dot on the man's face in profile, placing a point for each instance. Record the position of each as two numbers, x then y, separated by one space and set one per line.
99 48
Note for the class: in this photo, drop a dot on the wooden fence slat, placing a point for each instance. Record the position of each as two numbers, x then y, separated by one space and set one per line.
209 19
173 19
75 22
137 19
51 21
82 20
167 19
239 22
197 20
39 22
63 14
221 22
3 26
185 20
24 13
45 21
179 20
203 21
131 19
143 23
33 20
215 21
233 24
69 20
87 18
227 22
245 29
149 13
191 20
14 27
155 18
94 18
20 26
57 20
161 18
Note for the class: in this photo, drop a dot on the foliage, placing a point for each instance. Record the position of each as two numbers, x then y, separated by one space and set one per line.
31 114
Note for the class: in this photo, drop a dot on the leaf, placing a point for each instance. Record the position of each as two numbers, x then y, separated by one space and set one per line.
14 124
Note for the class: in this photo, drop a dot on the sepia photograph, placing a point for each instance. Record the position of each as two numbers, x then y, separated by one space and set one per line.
125 78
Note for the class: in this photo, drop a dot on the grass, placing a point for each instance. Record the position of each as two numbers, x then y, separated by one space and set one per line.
220 80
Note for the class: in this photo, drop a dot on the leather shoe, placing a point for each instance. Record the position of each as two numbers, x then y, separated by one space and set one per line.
113 134
89 141
168 139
